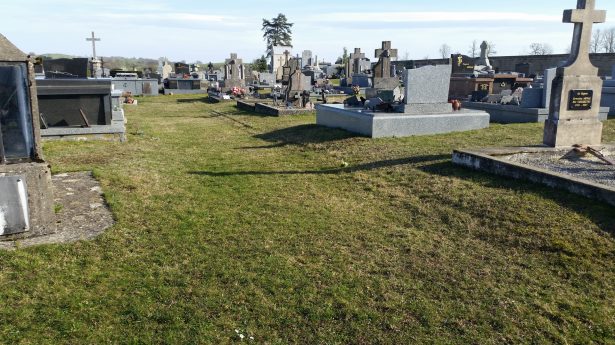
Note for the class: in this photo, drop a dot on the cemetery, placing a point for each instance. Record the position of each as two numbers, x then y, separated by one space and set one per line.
299 199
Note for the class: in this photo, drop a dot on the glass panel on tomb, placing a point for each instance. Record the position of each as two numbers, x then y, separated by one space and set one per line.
15 112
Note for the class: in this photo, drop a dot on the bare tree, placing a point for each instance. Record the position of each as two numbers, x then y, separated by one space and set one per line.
492 51
597 40
474 49
406 55
608 40
445 51
541 49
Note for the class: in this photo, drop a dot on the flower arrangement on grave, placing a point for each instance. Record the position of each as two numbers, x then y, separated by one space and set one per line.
356 90
238 92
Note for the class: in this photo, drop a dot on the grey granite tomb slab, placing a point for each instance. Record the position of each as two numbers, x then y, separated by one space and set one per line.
382 125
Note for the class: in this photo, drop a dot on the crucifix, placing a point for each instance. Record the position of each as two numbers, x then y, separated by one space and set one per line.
583 18
356 60
93 39
233 67
384 55
577 89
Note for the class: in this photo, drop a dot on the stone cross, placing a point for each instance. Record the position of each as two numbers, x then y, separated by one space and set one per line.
583 18
577 90
286 54
233 67
384 55
93 39
356 60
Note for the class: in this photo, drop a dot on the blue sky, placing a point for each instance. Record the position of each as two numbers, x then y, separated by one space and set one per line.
210 30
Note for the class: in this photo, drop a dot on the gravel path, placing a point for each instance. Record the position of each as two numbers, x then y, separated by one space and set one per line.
587 168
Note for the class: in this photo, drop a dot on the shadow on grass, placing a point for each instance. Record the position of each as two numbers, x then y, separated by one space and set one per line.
600 213
192 100
305 134
360 167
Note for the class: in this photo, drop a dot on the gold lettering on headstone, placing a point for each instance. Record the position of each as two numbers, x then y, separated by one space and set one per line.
581 99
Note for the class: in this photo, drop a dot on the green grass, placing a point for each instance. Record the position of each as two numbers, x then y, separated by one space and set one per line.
231 221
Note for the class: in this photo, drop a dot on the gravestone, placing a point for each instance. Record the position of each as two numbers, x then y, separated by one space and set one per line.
234 72
267 78
289 68
181 68
66 68
532 98
576 94
361 80
297 81
547 87
462 64
382 70
279 71
96 70
279 57
427 89
306 58
353 66
383 78
26 200
356 58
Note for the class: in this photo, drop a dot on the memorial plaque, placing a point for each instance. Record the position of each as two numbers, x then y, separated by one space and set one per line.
182 68
462 63
581 99
66 68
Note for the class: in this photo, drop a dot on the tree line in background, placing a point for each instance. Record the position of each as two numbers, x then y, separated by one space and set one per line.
278 31
603 41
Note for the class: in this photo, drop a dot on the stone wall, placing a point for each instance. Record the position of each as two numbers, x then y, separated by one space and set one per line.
538 63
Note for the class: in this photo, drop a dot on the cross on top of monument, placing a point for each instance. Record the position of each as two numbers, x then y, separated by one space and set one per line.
357 54
386 51
233 59
583 18
93 39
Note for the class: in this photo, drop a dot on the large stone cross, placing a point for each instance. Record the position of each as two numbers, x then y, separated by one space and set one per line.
233 66
384 55
583 18
356 60
576 91
94 39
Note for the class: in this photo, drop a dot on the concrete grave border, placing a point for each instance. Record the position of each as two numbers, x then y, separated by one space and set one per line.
489 160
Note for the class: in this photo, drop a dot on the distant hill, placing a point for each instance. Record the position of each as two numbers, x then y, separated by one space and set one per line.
59 56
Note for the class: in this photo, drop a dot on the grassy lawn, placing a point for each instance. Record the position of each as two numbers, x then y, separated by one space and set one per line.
294 234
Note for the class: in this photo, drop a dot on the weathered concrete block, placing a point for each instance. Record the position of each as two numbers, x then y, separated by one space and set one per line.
40 206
